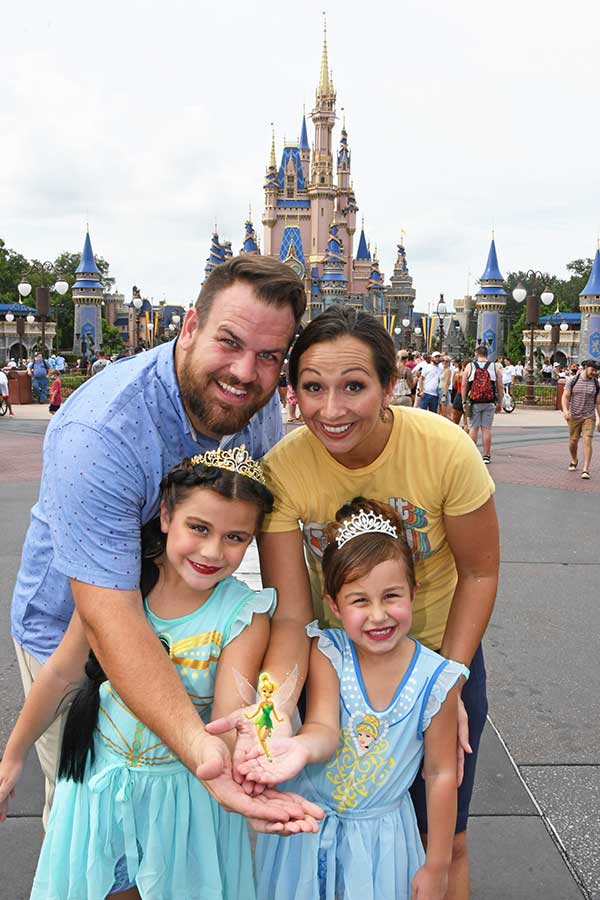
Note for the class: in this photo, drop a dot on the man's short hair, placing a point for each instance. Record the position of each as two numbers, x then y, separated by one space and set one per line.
482 351
272 281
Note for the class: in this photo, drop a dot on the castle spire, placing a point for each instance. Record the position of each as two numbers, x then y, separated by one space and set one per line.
324 80
303 142
592 288
363 251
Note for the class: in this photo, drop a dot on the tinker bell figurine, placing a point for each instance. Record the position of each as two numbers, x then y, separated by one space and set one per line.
268 691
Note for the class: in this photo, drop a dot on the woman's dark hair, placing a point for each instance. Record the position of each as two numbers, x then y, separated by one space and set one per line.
358 556
345 321
78 736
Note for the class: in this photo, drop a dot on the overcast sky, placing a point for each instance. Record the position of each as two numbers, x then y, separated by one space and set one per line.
151 120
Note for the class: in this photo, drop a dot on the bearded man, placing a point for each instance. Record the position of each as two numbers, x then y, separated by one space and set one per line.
105 454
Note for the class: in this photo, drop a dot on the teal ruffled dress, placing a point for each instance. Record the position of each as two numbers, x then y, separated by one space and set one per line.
140 816
368 846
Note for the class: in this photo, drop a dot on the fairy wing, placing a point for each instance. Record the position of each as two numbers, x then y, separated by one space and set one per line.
247 693
286 688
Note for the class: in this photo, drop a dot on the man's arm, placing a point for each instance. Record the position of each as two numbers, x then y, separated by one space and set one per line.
464 388
283 567
566 399
140 670
474 542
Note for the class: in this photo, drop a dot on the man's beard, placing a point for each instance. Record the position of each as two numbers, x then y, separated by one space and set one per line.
208 413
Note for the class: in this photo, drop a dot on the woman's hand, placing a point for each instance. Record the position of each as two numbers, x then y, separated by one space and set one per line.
10 773
429 884
289 756
246 742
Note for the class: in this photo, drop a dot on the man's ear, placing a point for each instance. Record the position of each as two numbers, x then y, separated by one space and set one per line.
188 329
332 605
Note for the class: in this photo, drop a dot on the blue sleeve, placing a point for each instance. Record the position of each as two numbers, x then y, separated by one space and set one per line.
272 427
92 496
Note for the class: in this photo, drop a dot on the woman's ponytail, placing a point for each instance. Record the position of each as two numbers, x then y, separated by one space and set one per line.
78 736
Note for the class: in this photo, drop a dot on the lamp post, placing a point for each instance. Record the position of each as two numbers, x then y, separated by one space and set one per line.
418 331
49 273
150 327
137 304
554 328
441 310
533 295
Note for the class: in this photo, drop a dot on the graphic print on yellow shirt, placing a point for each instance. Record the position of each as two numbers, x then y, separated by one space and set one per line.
428 469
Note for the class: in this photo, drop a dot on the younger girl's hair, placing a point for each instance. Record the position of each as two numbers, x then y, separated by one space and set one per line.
358 556
78 736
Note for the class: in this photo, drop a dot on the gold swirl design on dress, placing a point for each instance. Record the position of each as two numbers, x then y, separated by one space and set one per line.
354 777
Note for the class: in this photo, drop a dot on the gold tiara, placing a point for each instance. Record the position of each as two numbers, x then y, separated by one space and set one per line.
364 523
236 460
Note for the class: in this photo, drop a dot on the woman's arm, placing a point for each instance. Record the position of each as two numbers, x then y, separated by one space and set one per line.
439 772
474 542
60 675
282 567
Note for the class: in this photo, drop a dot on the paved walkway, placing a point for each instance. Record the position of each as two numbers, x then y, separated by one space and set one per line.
534 830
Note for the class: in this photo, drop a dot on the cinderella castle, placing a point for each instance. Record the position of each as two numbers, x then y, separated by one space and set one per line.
309 221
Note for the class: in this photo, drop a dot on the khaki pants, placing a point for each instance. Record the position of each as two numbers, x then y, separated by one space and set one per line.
48 746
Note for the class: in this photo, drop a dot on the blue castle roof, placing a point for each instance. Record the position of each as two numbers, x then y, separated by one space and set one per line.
294 153
88 263
363 250
592 288
291 235
250 245
304 145
492 270
87 266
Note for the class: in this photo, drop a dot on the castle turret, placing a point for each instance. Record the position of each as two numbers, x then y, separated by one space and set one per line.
491 303
400 295
589 304
345 201
216 255
88 294
304 148
334 284
271 189
250 244
361 266
375 290
322 190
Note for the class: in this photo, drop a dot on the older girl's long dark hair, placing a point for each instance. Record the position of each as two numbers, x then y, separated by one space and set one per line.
78 737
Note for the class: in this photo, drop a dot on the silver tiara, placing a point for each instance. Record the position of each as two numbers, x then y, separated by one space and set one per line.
364 523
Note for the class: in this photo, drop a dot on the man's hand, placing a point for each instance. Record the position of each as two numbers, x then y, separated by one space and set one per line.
307 823
289 756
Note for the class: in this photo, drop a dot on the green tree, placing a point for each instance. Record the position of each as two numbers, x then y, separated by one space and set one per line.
12 266
112 342
514 347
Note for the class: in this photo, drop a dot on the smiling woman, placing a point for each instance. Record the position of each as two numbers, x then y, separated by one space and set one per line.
343 368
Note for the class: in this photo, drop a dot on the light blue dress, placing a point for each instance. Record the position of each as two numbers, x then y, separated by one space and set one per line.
141 816
368 846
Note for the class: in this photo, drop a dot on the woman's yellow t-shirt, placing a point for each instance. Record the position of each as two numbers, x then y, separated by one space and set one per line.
429 468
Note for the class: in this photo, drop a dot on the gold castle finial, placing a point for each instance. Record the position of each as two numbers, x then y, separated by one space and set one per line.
273 164
324 79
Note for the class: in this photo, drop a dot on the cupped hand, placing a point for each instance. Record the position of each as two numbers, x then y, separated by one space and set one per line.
306 823
10 772
246 742
288 757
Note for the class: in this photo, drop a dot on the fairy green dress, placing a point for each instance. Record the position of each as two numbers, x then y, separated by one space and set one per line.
140 816
264 720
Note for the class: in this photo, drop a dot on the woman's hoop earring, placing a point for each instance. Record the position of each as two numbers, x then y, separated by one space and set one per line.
383 415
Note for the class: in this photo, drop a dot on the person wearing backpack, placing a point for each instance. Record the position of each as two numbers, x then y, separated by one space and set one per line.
481 398
39 370
581 406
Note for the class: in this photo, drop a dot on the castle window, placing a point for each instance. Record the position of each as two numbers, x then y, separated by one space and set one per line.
322 179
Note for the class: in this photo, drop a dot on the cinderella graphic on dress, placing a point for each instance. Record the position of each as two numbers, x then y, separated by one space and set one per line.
361 763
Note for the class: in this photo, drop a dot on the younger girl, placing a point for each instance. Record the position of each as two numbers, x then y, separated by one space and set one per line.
126 810
377 700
